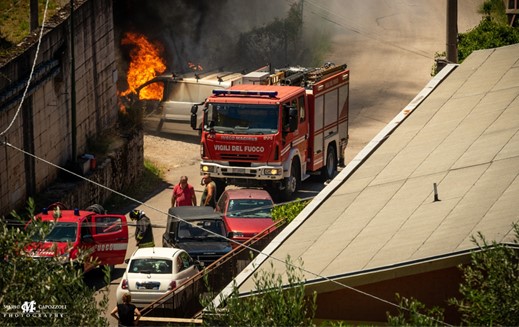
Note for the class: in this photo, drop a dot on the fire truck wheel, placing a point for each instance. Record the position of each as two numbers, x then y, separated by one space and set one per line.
291 183
330 169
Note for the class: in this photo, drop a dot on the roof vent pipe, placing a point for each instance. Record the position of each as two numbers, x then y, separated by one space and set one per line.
435 187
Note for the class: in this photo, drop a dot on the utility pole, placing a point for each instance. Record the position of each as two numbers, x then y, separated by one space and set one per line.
452 31
73 85
33 8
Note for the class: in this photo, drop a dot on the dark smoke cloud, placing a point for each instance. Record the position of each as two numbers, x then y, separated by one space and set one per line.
205 32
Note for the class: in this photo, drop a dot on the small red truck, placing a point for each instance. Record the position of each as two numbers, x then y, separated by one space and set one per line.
276 132
103 236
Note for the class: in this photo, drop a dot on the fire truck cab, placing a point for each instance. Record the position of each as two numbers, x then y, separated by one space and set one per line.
103 236
275 136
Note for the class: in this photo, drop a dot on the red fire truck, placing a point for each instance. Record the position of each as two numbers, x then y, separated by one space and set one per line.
102 237
276 132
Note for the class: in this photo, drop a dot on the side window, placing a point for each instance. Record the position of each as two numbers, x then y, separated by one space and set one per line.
301 106
186 260
183 261
178 263
86 227
221 203
105 225
286 110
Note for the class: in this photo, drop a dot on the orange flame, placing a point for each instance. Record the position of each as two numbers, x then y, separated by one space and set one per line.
146 63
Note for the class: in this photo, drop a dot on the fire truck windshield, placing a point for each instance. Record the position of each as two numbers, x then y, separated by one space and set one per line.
60 232
242 119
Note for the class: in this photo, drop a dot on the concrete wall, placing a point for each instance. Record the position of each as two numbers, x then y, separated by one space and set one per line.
43 124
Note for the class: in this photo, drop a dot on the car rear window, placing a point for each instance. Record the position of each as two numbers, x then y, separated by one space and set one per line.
151 266
250 208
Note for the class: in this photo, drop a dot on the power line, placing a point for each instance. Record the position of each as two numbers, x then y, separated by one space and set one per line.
341 22
216 234
32 71
158 210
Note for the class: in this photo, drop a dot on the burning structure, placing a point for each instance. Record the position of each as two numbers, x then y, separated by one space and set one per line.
185 36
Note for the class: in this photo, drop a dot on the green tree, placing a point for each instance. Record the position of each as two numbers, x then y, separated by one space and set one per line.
414 313
274 302
490 287
60 295
493 31
488 34
277 43
494 10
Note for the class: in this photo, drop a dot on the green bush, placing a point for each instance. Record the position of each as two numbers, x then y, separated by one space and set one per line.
289 210
274 303
43 282
414 313
487 35
490 287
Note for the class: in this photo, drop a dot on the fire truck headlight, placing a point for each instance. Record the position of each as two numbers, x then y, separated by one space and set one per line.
64 258
272 171
207 169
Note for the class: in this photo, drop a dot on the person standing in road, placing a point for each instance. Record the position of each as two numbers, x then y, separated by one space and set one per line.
126 313
143 231
183 194
209 194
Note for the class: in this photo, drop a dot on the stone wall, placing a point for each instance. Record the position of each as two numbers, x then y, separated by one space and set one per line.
42 124
115 171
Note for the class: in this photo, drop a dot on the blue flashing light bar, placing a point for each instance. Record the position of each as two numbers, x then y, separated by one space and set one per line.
271 94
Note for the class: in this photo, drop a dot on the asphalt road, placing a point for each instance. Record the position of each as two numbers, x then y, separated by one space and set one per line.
389 47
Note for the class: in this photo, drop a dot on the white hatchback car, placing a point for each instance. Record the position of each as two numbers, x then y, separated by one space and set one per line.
152 272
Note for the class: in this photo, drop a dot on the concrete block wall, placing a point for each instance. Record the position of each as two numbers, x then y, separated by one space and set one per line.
44 127
117 170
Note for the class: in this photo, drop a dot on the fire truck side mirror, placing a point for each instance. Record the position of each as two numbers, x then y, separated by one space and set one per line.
194 110
292 119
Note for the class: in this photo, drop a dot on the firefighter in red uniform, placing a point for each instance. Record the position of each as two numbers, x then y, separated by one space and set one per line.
143 231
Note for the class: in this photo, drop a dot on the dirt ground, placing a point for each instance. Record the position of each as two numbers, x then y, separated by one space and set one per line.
169 153
174 146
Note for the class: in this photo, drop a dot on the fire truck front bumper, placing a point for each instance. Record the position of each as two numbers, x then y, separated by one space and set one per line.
265 172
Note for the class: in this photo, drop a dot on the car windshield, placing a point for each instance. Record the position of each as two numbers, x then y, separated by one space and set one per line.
151 266
242 119
250 208
199 229
60 232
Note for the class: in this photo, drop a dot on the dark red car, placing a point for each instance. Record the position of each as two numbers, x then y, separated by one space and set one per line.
246 212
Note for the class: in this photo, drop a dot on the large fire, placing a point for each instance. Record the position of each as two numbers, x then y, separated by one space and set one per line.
146 63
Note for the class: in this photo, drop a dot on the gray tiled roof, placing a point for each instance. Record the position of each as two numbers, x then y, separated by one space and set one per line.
463 137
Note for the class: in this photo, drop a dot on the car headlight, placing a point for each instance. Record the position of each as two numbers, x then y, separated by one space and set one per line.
272 171
236 234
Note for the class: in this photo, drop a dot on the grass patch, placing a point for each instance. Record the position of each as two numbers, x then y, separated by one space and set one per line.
150 180
15 15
